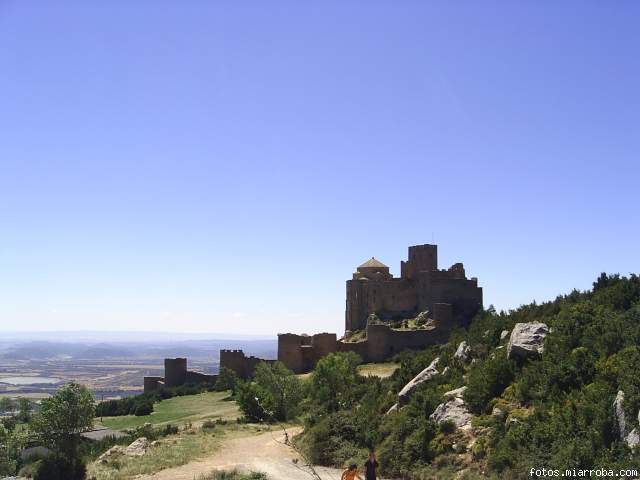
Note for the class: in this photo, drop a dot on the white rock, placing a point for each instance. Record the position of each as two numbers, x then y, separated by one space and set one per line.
619 415
458 392
453 410
424 376
114 451
527 340
504 334
138 447
463 352
497 412
633 439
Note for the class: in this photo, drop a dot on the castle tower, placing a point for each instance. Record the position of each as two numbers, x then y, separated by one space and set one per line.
421 258
175 371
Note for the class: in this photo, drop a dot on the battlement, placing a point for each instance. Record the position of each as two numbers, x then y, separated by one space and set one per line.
237 361
175 375
447 294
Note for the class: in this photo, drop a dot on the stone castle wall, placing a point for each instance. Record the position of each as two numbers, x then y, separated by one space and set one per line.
450 298
420 286
175 375
300 353
237 361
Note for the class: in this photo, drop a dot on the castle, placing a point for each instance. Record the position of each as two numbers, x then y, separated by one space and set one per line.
443 299
384 315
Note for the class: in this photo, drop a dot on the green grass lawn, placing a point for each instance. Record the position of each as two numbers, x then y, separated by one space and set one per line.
381 370
180 410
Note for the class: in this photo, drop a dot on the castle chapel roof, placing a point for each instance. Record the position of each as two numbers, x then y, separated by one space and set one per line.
373 263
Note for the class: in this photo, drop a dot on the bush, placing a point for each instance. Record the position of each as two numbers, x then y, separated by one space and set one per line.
227 380
55 468
488 380
333 381
144 408
274 393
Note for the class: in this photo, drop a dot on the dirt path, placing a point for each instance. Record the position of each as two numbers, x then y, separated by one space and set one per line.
264 453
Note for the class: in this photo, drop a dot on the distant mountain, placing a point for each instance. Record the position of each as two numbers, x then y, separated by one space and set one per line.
200 349
104 350
41 350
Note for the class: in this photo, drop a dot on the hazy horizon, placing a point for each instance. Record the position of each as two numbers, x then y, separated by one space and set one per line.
225 167
124 335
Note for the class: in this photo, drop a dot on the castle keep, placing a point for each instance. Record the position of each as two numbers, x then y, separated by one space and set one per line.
421 285
383 306
384 315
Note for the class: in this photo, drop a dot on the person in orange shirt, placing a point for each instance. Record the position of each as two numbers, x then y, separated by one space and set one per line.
351 473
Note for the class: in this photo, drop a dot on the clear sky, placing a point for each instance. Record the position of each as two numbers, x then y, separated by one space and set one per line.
225 166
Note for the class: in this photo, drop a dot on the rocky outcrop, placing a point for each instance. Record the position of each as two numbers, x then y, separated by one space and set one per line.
453 410
504 334
527 340
463 352
631 438
620 418
138 448
405 394
425 375
458 392
113 452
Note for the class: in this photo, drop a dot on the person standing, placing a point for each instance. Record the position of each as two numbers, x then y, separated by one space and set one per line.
370 467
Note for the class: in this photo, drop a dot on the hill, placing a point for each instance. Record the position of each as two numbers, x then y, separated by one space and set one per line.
495 402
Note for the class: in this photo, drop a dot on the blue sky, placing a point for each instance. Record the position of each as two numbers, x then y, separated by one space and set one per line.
224 166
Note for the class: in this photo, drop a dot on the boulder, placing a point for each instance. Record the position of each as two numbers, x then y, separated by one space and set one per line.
632 438
425 375
504 334
620 418
393 408
458 392
113 452
453 410
463 352
497 412
527 340
138 448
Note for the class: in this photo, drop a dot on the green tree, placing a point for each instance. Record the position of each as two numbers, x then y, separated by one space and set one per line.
11 444
334 381
227 380
7 405
274 393
24 408
61 420
283 389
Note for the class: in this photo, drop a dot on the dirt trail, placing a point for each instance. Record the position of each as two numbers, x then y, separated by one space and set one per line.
265 453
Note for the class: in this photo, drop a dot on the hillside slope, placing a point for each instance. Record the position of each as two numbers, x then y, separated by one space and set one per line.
552 407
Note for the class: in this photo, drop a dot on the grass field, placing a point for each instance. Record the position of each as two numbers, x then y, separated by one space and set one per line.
181 410
188 445
382 370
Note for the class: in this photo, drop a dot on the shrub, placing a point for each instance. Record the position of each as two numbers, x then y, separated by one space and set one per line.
333 381
488 380
227 380
274 393
143 408
56 468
